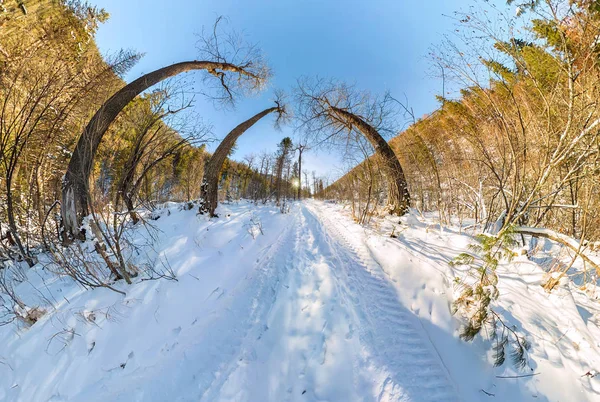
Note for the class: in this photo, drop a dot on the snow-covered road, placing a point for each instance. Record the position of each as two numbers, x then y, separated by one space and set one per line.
316 319
332 329
306 306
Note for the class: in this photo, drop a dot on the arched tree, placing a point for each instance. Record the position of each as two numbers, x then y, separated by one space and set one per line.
238 68
333 113
210 183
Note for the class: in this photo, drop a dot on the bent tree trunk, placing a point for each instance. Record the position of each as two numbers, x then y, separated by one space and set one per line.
399 198
75 187
210 181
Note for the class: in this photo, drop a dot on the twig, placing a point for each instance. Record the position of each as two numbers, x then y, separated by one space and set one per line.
46 219
487 393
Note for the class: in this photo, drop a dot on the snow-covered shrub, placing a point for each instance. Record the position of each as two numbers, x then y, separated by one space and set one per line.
83 264
12 307
115 249
285 207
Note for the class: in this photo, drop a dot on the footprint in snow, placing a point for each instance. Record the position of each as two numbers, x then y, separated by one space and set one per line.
350 332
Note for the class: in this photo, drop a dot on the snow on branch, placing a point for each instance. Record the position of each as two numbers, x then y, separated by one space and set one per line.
559 238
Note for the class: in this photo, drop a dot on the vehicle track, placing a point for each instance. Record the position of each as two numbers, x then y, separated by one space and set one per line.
392 334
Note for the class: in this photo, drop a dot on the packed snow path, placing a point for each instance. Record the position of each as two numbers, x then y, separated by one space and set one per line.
316 320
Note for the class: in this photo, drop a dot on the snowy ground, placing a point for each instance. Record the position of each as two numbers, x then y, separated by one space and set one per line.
314 308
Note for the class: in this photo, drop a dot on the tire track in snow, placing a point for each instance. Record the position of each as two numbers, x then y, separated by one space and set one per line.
307 348
396 341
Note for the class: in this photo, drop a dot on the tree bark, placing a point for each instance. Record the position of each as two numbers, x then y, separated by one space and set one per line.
75 189
399 197
210 182
300 150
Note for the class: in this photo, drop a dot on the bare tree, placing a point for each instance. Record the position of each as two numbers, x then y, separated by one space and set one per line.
306 183
300 148
335 113
210 183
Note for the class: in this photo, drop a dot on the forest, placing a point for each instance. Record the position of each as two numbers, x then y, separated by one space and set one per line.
101 175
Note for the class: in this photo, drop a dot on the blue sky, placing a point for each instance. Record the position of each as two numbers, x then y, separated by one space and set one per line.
377 45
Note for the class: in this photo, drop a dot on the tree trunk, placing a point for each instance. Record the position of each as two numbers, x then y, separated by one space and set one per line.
399 198
75 187
279 173
210 182
131 208
300 150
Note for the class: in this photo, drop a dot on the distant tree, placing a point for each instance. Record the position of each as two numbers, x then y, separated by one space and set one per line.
306 183
300 148
283 159
295 179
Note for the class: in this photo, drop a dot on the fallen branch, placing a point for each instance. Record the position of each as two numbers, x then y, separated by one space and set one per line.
559 238
487 393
